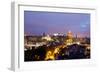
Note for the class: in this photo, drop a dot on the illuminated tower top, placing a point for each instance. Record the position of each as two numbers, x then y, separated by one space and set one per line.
69 34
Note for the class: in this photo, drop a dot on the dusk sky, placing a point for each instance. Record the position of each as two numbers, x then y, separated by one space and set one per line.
38 22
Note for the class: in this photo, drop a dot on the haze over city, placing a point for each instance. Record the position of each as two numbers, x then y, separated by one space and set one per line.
38 22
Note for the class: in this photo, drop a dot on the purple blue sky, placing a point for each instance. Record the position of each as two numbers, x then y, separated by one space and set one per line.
38 22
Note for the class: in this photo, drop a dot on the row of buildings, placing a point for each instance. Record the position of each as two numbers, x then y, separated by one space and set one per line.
68 39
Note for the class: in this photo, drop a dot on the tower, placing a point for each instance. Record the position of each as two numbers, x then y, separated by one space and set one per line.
69 38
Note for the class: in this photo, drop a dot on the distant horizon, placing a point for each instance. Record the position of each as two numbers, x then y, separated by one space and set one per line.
74 35
38 22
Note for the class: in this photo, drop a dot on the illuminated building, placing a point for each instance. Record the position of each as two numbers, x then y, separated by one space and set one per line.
48 38
69 39
58 34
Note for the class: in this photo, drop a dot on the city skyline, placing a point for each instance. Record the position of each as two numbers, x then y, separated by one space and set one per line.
38 22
